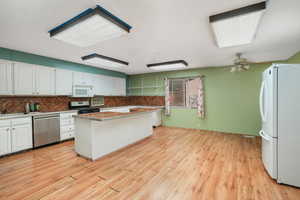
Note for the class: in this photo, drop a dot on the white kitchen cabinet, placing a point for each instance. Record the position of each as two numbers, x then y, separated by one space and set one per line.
45 80
67 126
81 78
96 82
6 78
33 80
21 137
24 79
15 135
5 140
106 85
64 82
119 88
109 86
101 85
27 79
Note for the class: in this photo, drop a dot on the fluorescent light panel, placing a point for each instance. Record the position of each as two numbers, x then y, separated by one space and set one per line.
104 61
166 66
237 27
90 27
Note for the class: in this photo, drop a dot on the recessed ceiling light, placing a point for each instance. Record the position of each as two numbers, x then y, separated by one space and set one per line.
90 27
171 65
104 61
237 27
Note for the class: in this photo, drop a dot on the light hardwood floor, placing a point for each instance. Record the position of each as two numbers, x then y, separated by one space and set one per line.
174 164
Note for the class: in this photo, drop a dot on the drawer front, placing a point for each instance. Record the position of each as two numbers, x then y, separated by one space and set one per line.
67 115
64 129
21 121
5 123
66 136
66 122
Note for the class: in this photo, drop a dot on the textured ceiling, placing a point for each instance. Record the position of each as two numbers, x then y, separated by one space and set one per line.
163 30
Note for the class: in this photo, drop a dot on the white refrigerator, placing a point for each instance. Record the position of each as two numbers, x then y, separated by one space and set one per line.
280 113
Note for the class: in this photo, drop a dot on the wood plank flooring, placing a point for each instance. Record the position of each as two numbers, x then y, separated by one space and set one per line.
174 164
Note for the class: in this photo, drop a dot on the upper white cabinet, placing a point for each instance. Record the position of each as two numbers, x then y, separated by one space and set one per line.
81 78
64 82
96 82
109 86
101 85
45 80
6 82
33 80
18 78
24 79
119 88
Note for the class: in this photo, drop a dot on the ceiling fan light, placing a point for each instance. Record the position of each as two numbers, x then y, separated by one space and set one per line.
90 27
237 27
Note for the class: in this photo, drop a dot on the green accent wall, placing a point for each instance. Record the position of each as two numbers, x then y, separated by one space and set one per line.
294 59
19 56
231 99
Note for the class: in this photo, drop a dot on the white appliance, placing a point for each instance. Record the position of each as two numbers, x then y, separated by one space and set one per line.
280 108
83 91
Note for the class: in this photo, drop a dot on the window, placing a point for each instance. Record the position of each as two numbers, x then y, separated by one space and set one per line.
184 92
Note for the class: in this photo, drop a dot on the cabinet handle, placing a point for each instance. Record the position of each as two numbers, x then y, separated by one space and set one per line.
7 129
13 128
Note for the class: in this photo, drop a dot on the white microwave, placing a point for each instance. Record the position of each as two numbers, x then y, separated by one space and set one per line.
83 91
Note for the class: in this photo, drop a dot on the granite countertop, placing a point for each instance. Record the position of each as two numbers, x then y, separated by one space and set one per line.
102 116
131 106
22 115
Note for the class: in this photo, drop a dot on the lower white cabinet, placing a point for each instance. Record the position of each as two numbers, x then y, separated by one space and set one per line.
21 137
5 141
15 135
67 126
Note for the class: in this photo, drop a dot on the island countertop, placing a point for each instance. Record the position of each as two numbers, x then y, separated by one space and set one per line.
102 116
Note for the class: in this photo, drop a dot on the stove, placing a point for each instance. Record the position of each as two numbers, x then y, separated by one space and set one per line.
83 107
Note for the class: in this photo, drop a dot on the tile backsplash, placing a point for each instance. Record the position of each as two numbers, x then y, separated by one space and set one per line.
47 104
60 103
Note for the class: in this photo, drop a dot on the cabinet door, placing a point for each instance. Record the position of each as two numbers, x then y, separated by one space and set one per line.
120 85
97 84
77 78
64 82
21 137
88 78
107 85
81 78
45 80
24 79
5 141
6 78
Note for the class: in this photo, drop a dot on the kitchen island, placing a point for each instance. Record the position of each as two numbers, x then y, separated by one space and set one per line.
98 134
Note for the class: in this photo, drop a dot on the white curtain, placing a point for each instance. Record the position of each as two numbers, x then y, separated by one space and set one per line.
201 110
167 97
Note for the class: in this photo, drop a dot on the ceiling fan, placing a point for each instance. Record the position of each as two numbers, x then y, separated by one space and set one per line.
240 64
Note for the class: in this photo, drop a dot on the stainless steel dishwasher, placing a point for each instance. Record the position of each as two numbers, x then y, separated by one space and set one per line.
46 129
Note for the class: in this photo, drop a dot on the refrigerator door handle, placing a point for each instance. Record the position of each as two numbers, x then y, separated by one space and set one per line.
261 133
262 89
